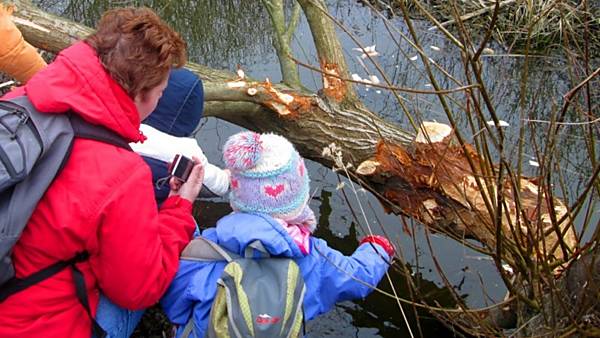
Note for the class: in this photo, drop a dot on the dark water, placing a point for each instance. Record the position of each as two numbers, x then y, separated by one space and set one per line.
224 34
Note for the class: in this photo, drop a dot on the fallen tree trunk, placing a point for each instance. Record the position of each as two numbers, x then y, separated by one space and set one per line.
431 180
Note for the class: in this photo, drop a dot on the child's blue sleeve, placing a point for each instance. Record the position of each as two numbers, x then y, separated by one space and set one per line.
177 303
191 284
349 277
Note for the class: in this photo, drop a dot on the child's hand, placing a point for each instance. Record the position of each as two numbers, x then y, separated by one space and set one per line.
191 188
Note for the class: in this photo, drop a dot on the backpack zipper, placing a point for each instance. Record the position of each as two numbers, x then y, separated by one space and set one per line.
23 120
7 164
26 120
3 156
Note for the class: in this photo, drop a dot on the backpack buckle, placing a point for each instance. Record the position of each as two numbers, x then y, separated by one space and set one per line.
23 118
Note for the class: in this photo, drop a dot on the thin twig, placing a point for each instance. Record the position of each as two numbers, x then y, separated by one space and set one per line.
563 123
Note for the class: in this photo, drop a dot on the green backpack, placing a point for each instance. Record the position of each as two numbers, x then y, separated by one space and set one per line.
256 297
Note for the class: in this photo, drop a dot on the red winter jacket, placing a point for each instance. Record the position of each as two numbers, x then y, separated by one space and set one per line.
102 202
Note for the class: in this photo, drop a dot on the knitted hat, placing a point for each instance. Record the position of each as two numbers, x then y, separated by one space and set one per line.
180 108
267 175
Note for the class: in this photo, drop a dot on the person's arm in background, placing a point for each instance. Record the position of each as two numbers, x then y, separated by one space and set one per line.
351 277
18 59
139 245
163 147
216 179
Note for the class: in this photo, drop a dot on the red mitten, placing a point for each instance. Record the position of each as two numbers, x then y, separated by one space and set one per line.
381 241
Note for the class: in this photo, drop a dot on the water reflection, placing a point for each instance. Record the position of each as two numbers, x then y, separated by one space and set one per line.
220 34
223 34
378 310
547 81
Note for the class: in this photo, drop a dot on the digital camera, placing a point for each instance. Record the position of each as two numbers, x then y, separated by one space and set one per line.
181 167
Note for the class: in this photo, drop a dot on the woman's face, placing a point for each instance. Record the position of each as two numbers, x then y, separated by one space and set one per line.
146 102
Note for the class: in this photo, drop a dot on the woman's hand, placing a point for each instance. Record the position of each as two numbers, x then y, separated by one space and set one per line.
191 188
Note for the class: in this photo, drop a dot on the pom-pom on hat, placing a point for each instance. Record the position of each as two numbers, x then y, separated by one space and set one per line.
267 175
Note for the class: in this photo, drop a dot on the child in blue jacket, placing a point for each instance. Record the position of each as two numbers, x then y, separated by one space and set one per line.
269 193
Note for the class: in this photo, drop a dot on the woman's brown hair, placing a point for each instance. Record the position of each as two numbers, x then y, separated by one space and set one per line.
137 48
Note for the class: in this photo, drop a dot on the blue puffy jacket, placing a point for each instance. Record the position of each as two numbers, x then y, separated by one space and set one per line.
328 279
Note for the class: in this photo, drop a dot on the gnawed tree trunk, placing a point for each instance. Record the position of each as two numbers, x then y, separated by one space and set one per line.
431 180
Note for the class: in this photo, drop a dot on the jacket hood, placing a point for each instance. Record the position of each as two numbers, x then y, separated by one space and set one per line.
237 230
76 81
180 108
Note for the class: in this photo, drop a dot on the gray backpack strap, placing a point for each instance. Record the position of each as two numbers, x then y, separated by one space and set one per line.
188 330
83 129
256 246
202 249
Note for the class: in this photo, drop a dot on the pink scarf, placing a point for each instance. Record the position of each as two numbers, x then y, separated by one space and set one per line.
300 228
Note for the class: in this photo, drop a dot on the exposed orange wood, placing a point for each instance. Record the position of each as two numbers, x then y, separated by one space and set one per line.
434 183
333 87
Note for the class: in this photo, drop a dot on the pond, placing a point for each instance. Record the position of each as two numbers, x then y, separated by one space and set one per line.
229 33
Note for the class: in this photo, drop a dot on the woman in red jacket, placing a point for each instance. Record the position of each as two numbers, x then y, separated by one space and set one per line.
102 202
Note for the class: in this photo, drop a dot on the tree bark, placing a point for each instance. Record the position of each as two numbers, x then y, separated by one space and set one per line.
426 179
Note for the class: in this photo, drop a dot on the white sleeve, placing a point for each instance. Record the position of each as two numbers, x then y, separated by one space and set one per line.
164 147
216 179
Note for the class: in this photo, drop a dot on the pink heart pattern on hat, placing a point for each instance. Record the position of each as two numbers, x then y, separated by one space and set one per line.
274 191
